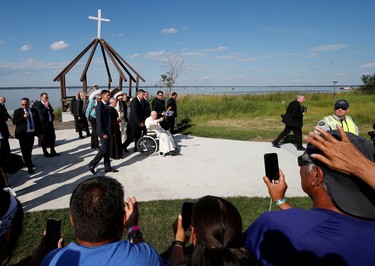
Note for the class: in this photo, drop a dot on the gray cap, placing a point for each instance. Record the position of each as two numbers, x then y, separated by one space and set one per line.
350 194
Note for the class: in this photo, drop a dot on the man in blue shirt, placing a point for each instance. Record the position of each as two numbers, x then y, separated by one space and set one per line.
98 216
338 230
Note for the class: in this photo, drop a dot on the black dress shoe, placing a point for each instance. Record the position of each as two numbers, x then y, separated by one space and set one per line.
55 153
126 151
47 155
92 170
30 171
88 135
275 145
81 137
111 170
301 149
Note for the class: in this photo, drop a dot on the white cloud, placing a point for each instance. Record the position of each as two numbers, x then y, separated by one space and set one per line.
221 48
368 65
207 77
169 31
30 64
341 75
218 49
25 47
60 45
328 48
154 55
135 56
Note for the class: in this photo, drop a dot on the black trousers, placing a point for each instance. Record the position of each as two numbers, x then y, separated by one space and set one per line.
132 134
297 131
103 153
26 144
49 138
94 135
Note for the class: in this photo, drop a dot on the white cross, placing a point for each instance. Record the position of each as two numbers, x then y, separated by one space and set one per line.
99 19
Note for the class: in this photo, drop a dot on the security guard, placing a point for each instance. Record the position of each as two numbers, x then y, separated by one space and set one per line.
347 123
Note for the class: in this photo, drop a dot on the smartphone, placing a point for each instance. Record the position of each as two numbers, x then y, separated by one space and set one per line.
271 165
53 234
186 211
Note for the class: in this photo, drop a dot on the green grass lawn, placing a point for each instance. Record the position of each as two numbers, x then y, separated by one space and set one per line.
243 117
156 219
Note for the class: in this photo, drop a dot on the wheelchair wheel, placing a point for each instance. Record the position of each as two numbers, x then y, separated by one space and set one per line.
147 145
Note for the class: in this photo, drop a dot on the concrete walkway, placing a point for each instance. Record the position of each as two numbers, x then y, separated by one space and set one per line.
204 166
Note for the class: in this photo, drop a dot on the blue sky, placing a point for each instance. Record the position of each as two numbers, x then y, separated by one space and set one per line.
229 43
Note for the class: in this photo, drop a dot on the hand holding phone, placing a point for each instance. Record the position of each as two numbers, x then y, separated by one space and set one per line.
186 211
53 234
271 165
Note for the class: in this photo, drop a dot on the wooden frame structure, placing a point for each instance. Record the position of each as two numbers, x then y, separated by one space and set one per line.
119 63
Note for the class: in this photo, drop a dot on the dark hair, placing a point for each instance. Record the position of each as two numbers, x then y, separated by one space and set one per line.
140 91
25 99
17 224
43 93
97 209
174 93
160 92
218 228
104 92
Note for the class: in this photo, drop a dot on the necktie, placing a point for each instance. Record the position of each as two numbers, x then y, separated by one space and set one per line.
30 120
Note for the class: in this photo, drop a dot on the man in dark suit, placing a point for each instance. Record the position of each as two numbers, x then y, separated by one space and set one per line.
104 131
4 139
76 110
293 120
136 121
3 110
47 117
158 105
28 126
4 131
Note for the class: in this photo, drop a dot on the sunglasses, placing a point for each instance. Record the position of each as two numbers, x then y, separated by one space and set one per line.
343 108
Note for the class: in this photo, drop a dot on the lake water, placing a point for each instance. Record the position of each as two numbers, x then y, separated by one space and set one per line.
14 95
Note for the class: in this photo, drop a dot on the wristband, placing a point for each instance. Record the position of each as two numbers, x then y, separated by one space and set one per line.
138 234
178 243
280 201
133 228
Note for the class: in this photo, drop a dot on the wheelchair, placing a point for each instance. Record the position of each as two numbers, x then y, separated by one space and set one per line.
148 144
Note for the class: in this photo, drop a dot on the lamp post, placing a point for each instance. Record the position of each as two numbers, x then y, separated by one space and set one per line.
334 90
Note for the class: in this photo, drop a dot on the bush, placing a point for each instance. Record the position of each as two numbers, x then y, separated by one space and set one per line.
369 83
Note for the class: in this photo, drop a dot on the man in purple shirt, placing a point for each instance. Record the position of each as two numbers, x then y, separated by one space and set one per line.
338 230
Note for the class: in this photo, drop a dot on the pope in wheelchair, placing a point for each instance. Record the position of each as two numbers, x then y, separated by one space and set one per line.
154 130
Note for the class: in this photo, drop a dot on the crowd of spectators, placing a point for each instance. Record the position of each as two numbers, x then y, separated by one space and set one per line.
336 172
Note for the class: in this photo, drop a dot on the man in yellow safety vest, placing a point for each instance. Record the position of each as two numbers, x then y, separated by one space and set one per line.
341 108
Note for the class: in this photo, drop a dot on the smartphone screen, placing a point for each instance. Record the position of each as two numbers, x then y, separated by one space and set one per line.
271 165
186 211
53 234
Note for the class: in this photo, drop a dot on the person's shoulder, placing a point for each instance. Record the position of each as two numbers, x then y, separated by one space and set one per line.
140 253
322 122
276 218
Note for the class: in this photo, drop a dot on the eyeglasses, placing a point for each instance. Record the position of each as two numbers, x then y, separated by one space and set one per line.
304 159
343 108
